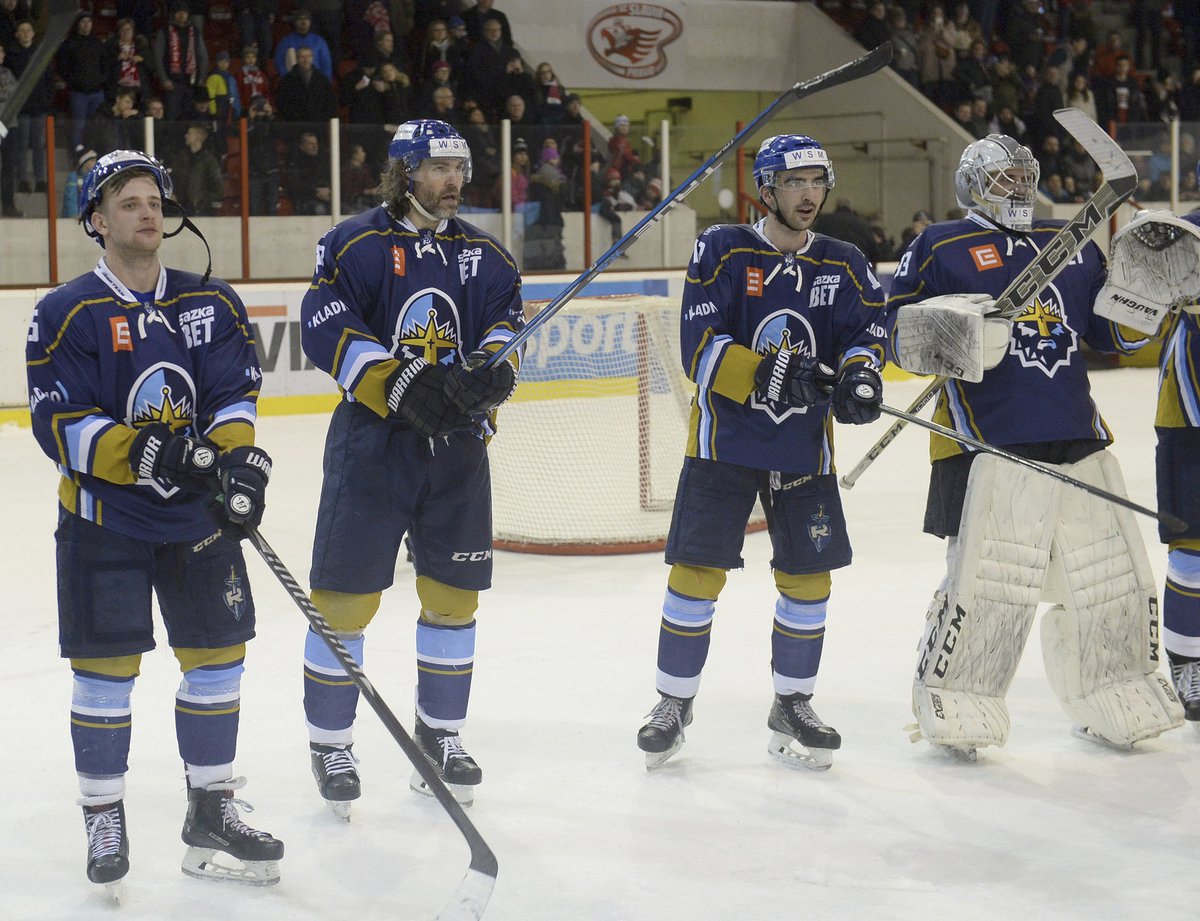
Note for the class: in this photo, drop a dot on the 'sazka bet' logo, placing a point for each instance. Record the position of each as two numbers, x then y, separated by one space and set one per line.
629 39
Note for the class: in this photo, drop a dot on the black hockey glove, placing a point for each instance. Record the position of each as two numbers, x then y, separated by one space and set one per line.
158 453
244 472
474 388
793 380
858 395
416 394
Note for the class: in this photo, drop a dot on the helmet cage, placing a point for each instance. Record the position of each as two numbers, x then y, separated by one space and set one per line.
999 177
422 139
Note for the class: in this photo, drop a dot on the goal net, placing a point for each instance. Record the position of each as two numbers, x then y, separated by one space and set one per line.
590 447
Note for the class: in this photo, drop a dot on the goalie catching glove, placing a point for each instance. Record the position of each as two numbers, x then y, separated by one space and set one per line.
793 379
158 453
950 335
857 395
474 387
416 395
1154 266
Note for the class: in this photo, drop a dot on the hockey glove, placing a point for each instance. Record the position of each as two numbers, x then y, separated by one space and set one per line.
416 395
793 379
244 472
858 395
474 388
159 454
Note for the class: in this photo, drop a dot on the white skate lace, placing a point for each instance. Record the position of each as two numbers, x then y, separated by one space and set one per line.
233 821
667 714
804 712
452 748
104 832
339 761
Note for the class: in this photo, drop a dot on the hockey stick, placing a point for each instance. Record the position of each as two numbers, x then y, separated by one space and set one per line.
471 897
62 17
861 67
1120 179
1168 520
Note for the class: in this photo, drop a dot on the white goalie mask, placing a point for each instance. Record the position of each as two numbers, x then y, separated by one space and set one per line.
999 177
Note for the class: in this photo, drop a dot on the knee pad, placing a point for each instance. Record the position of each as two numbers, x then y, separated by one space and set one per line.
1100 642
444 605
811 587
344 612
190 659
980 619
696 581
111 667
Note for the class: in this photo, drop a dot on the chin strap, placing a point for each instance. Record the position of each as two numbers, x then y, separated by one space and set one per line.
416 204
187 223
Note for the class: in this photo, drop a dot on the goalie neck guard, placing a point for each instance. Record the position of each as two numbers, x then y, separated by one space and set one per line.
998 177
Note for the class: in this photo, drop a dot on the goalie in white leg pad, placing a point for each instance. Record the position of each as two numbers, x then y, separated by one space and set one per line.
950 335
978 623
1100 641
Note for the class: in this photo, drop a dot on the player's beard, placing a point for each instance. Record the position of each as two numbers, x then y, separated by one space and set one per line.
441 205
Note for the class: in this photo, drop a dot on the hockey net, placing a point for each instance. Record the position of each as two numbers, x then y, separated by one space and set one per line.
589 449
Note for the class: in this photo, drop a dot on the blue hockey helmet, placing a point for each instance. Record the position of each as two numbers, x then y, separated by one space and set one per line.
422 138
999 177
789 151
111 165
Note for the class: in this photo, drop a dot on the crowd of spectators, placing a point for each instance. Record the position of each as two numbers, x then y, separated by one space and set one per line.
287 68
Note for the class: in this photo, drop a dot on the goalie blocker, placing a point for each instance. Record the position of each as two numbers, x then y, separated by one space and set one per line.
1154 267
1099 640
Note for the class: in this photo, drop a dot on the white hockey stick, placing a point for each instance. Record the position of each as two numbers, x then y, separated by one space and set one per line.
1169 521
1120 179
861 67
471 897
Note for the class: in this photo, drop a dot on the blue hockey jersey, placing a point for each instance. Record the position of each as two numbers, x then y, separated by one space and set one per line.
1179 377
384 289
102 361
1039 392
744 299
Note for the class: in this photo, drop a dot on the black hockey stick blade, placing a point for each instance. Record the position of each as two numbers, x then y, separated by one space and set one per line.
1166 518
853 70
63 14
1120 179
471 898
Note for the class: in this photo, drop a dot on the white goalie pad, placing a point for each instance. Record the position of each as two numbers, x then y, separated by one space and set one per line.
1154 266
950 335
980 620
1100 641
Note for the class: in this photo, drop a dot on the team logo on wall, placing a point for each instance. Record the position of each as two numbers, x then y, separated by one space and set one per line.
629 39
427 327
163 393
1041 337
777 333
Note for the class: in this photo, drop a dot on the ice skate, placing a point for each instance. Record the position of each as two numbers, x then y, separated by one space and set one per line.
1084 732
214 826
662 735
443 750
108 845
962 752
334 768
1185 677
799 738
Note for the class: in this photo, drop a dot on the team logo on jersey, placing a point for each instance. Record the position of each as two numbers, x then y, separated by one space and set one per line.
428 327
782 330
629 39
819 530
1041 337
235 595
163 393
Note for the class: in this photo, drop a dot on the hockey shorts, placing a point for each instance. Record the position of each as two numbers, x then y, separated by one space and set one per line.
382 480
105 582
1177 459
713 503
948 478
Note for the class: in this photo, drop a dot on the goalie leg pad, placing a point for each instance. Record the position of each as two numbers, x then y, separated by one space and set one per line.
1100 644
981 618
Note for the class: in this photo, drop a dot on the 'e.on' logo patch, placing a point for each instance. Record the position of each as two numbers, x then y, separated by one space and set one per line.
628 39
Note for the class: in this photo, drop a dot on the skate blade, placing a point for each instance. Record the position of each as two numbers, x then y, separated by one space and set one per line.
113 891
787 751
655 760
1195 724
463 794
340 808
1082 732
201 863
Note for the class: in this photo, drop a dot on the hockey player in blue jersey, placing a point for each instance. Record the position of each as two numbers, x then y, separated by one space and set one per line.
1013 534
143 382
782 330
1154 285
405 305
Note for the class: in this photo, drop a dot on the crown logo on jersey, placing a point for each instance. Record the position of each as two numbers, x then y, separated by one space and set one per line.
782 331
428 327
1041 337
163 393
173 413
